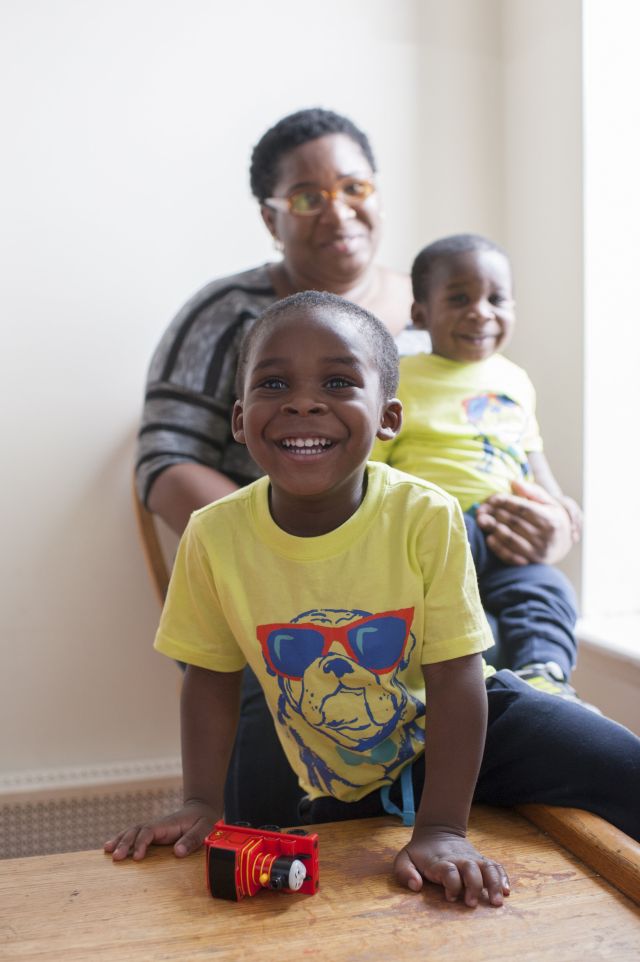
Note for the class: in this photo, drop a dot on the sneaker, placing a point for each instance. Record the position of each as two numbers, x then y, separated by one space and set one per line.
550 679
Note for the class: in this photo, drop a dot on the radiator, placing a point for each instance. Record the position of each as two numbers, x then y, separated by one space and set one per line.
78 824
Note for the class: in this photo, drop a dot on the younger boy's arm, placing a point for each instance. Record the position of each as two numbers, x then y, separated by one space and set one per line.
209 711
455 728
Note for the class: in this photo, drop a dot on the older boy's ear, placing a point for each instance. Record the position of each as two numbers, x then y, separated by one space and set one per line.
420 315
237 423
391 420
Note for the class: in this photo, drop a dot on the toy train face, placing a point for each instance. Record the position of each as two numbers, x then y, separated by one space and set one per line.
242 860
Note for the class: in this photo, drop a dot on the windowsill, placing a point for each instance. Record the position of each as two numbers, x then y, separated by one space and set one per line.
617 635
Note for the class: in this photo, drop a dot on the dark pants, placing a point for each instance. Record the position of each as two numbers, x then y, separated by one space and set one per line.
261 787
539 748
533 607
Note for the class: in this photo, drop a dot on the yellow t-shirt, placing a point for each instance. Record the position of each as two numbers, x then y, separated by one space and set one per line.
466 428
336 627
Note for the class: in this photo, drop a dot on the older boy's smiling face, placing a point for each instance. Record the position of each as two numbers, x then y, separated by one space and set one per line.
470 309
312 405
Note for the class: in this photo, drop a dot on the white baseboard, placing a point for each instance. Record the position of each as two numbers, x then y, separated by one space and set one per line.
76 781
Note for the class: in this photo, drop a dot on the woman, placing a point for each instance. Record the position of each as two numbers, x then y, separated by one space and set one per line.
314 177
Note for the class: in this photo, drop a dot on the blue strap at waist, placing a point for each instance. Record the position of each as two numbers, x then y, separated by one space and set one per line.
408 815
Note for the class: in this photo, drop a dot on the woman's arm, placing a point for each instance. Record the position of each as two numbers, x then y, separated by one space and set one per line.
209 712
184 488
543 476
455 729
535 524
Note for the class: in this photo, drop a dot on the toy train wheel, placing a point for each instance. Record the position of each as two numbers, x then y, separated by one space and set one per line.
270 828
297 831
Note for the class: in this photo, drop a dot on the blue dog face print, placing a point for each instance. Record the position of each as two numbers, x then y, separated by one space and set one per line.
338 674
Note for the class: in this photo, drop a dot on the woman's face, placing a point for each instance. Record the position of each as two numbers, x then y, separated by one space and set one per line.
336 245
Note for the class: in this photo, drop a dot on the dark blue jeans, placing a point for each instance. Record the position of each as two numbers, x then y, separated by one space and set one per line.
533 608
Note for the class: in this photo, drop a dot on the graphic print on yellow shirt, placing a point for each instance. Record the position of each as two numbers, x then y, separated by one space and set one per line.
467 427
329 666
500 422
336 627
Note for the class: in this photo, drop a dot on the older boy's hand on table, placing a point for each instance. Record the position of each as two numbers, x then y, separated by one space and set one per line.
209 709
529 526
451 861
188 828
455 726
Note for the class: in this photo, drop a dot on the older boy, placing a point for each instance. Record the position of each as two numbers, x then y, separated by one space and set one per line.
470 427
349 589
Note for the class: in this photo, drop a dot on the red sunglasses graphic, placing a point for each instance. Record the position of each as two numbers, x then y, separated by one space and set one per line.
376 642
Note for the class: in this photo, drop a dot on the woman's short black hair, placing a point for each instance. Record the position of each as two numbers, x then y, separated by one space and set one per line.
289 133
446 247
379 340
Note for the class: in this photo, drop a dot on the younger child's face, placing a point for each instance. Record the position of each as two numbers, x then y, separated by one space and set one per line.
470 311
312 406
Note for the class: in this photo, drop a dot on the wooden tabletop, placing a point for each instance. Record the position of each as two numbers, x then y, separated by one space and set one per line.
85 907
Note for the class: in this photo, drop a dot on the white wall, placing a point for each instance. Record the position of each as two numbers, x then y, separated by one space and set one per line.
542 122
130 126
612 317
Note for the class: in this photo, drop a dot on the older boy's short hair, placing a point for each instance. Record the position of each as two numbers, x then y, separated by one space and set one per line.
446 247
381 345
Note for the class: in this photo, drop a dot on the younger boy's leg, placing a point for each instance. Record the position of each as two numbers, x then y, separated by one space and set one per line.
534 605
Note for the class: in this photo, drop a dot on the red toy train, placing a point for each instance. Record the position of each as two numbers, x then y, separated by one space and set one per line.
241 860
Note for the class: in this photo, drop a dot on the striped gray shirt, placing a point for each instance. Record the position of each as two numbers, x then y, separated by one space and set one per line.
191 384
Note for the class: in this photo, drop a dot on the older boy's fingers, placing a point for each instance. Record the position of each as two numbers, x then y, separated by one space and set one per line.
405 871
447 874
473 882
126 842
493 882
192 839
113 842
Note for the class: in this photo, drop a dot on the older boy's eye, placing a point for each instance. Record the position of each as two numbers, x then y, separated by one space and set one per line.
497 299
338 382
459 299
276 383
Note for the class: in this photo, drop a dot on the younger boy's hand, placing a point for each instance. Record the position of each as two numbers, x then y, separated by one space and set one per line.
188 828
453 862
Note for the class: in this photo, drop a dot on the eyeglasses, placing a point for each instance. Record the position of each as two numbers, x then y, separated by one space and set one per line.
376 642
311 201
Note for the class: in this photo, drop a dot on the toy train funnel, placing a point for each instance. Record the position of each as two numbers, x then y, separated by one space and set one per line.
242 860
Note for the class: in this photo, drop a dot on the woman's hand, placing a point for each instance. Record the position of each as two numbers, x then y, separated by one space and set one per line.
529 526
188 828
451 861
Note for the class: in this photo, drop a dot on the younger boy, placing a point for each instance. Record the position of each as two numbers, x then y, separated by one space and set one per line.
470 427
350 590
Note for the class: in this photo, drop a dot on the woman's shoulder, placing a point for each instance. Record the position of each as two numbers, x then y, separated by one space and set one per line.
219 307
253 284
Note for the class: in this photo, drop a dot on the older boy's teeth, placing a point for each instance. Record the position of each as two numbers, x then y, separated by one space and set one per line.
312 445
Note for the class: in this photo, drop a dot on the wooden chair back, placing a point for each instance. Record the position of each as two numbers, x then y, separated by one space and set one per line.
158 571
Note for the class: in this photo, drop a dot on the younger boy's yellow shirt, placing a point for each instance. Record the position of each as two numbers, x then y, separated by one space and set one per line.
335 627
466 427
